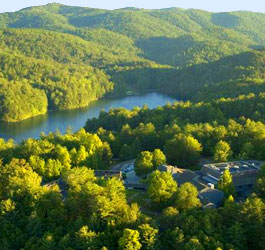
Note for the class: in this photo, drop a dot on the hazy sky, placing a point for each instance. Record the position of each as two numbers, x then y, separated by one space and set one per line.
210 5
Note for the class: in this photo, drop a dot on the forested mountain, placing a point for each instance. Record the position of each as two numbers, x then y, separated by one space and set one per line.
53 195
229 76
34 80
192 54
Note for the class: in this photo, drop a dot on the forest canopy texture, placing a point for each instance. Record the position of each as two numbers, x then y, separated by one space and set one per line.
55 191
62 57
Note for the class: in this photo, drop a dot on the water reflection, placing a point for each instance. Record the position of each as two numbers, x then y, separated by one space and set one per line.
61 120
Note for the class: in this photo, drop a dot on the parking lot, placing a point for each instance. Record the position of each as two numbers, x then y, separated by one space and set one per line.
127 168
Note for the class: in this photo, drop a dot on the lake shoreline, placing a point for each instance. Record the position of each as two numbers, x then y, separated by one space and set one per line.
111 97
76 118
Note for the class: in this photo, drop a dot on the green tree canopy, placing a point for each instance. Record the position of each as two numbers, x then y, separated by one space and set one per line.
158 157
130 240
225 183
144 163
187 197
183 150
222 151
161 187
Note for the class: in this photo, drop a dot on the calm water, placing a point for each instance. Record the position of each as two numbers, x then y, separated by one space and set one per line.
61 120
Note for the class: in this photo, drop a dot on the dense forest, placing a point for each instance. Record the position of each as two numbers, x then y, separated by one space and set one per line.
72 55
50 197
54 191
239 122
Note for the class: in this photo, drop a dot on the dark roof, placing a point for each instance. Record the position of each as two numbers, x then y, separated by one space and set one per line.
214 196
199 184
210 179
244 180
184 175
235 167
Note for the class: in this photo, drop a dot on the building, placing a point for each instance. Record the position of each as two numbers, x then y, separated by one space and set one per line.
182 176
211 198
244 174
168 169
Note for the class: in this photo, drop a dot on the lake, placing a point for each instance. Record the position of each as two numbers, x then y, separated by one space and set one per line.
76 119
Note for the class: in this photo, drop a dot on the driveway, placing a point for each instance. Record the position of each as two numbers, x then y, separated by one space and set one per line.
122 165
132 177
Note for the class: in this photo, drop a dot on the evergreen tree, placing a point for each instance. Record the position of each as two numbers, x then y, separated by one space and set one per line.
148 236
225 184
130 240
222 152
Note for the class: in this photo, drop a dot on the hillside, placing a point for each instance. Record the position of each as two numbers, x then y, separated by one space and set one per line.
229 76
43 85
224 33
64 48
196 54
188 175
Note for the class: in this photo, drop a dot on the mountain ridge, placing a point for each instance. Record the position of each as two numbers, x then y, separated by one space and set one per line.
135 49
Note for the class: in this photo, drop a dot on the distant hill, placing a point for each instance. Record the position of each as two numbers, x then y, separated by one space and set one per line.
197 54
176 34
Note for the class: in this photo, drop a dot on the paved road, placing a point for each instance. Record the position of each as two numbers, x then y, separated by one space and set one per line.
132 177
122 165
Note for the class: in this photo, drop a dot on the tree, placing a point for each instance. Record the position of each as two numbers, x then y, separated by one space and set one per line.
183 150
158 158
193 244
130 240
168 220
260 183
63 156
79 176
110 204
85 239
229 201
47 241
37 164
126 152
187 197
253 211
222 151
146 134
173 239
53 168
225 184
20 183
148 236
80 156
247 151
136 146
144 163
161 187
235 236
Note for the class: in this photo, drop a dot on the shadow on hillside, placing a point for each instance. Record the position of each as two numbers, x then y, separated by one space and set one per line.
226 20
164 50
220 78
